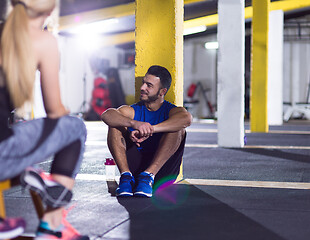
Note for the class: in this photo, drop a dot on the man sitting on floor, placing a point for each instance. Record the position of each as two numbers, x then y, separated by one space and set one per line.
147 138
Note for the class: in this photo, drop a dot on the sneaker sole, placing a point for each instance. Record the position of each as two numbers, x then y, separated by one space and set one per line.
142 194
12 234
124 194
54 196
47 237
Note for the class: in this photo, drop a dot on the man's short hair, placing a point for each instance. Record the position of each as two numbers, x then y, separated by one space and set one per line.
162 73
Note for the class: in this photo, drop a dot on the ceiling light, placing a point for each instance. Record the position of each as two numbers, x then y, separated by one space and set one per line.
89 42
194 30
211 45
95 27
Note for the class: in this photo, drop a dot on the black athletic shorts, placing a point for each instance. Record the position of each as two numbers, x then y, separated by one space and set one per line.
139 161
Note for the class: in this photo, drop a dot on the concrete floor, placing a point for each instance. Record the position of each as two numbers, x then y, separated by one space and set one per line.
260 192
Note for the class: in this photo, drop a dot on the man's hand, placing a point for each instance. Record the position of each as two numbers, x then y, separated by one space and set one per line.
144 128
136 138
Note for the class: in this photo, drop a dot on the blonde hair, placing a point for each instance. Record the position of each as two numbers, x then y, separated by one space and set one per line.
17 54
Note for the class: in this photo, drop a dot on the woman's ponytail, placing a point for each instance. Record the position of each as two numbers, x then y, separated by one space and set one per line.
17 56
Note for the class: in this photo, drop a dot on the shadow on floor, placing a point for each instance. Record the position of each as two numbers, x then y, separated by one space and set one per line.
304 158
185 212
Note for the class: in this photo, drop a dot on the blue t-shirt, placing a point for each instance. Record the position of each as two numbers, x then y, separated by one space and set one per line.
153 117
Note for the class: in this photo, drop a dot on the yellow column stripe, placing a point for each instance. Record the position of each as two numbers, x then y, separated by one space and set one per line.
155 20
3 186
259 73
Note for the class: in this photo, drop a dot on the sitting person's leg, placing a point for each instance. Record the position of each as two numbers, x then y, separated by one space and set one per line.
117 143
64 169
35 141
117 146
164 163
32 143
168 157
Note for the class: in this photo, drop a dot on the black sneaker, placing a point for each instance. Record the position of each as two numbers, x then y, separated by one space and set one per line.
53 194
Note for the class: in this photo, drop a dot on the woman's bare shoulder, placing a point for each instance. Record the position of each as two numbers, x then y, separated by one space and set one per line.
43 40
44 44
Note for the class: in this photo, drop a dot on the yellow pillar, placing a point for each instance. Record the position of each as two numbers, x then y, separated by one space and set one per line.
159 41
3 186
259 74
2 205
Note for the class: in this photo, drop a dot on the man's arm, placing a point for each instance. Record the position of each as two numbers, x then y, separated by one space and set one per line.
120 117
123 117
178 119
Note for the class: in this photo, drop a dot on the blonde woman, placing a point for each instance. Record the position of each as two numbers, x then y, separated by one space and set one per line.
24 49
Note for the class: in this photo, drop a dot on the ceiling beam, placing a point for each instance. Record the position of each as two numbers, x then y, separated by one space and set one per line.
129 9
194 1
285 5
118 39
123 10
74 20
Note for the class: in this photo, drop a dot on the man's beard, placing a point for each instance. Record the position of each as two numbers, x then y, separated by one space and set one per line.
152 98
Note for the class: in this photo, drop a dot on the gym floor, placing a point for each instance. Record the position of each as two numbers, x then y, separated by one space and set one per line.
261 191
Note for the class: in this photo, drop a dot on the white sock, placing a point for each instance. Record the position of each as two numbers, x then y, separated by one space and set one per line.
151 174
126 172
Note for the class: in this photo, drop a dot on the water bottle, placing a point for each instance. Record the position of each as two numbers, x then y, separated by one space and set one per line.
110 169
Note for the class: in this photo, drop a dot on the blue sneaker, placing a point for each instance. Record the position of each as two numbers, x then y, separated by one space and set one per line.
126 184
145 185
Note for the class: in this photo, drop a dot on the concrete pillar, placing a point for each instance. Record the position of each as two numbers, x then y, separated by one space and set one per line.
275 68
231 38
295 72
159 40
259 74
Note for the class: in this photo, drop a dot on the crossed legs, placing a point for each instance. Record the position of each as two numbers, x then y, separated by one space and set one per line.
168 145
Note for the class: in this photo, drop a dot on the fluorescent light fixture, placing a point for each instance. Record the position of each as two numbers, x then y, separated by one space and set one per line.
193 30
95 27
88 35
211 45
89 42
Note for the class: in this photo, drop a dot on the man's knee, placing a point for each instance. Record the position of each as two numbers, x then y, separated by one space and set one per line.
116 132
175 137
117 137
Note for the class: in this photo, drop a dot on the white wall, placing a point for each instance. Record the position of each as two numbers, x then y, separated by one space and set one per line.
200 66
75 66
296 71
